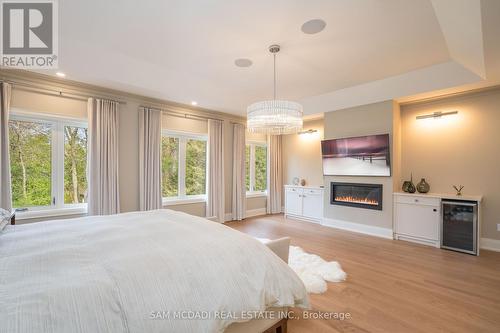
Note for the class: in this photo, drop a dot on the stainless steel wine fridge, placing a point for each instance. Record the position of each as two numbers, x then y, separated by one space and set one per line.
459 226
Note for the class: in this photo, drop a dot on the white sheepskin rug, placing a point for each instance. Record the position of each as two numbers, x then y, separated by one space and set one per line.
314 271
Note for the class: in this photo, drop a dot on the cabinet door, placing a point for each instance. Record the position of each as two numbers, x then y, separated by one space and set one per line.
293 201
418 220
312 205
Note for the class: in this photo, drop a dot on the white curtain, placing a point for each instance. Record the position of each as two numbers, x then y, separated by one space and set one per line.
239 186
275 179
5 186
215 204
103 192
149 159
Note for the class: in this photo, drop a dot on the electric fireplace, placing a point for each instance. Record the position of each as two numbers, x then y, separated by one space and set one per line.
367 196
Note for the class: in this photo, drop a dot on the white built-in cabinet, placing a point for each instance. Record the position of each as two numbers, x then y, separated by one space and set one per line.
304 202
417 218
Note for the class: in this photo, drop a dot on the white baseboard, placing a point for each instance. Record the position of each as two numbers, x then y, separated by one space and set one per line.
249 213
360 228
490 244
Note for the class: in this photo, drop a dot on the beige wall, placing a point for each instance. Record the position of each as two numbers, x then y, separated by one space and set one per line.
52 105
369 119
459 149
128 131
302 155
196 126
197 209
256 203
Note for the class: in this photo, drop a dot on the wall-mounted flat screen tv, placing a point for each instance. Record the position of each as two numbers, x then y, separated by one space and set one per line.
358 156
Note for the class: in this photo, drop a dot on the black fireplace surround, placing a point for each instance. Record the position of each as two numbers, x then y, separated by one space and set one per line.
367 196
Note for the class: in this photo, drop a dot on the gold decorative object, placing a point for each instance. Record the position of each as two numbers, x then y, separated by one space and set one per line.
458 189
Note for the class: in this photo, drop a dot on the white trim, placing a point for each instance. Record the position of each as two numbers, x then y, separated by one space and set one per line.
184 201
249 213
42 213
359 228
490 244
419 240
303 218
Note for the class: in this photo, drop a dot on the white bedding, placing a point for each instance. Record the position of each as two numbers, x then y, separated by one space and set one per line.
114 273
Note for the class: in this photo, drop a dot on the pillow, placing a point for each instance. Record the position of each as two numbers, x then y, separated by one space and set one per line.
4 218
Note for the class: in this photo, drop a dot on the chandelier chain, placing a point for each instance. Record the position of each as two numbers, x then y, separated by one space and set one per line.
274 117
274 55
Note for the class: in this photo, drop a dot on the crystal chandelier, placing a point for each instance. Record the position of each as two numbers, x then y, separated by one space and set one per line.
274 116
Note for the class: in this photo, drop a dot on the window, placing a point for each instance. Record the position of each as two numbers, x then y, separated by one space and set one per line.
256 168
48 158
184 165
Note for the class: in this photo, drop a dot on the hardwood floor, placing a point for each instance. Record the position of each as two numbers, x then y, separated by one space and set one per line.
393 286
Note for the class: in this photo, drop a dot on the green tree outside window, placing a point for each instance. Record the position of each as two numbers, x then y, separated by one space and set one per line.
196 165
75 165
30 163
170 166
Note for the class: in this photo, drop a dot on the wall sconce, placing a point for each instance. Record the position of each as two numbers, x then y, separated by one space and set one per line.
309 131
437 114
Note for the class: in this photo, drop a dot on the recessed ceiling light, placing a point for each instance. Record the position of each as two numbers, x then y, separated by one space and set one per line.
313 26
194 103
61 74
243 62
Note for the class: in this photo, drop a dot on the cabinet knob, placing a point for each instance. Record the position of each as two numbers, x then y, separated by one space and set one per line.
434 210
416 200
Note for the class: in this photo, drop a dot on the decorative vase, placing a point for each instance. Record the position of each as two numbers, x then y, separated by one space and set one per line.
411 186
423 186
406 185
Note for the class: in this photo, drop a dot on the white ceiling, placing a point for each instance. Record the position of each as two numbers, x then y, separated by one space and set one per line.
184 50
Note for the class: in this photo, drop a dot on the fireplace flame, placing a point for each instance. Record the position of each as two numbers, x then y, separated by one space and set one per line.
352 199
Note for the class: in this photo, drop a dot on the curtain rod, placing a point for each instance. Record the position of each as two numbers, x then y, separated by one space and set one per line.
84 97
189 115
57 93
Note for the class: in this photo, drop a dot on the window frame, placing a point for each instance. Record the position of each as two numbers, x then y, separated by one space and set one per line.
251 193
182 197
57 206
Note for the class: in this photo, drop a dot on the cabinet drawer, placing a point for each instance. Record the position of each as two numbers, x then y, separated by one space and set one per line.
418 200
312 191
294 190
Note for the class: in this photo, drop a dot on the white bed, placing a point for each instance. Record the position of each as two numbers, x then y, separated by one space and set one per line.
115 273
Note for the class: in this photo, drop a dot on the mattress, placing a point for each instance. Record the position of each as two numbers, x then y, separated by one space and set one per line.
156 271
